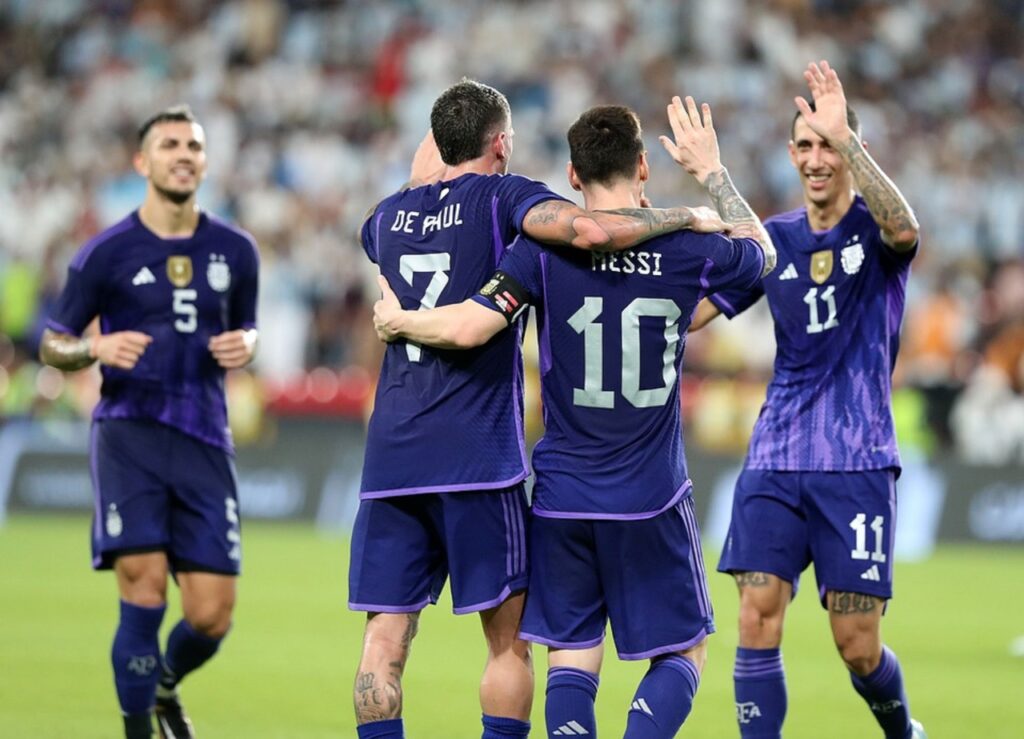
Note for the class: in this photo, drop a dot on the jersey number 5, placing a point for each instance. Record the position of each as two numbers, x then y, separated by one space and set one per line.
439 265
584 321
184 306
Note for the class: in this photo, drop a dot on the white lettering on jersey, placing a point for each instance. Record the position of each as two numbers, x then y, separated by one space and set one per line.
627 262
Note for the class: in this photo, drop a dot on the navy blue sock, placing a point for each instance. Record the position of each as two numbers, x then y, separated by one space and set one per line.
495 727
569 705
389 729
760 684
135 656
663 699
187 650
884 693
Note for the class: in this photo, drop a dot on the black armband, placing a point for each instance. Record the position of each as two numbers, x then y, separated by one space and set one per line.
506 295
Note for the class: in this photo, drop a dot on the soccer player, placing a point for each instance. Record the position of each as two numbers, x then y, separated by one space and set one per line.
613 534
819 480
442 489
175 292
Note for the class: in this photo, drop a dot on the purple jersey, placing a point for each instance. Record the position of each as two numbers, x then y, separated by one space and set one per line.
837 300
612 328
445 421
181 292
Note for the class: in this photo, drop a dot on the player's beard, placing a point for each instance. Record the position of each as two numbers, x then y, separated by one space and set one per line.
178 197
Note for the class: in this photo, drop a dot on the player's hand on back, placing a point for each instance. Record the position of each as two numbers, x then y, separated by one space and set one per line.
828 119
120 349
707 221
427 166
386 311
233 349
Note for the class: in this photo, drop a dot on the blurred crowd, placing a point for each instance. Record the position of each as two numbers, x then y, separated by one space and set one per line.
312 111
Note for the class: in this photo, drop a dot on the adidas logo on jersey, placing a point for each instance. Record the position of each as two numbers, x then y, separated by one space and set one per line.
789 273
570 729
641 705
143 277
871 574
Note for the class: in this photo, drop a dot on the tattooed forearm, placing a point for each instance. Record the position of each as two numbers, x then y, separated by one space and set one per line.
886 203
734 209
751 579
64 351
848 603
561 222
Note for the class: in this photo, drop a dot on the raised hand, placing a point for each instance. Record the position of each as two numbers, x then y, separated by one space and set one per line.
120 349
233 349
828 120
706 220
385 311
696 143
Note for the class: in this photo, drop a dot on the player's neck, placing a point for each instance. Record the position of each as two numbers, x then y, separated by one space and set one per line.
167 219
480 165
597 197
823 216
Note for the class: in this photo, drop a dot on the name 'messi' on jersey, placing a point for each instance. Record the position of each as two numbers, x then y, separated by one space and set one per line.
632 261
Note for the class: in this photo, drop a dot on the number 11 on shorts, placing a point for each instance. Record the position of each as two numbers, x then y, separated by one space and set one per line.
861 552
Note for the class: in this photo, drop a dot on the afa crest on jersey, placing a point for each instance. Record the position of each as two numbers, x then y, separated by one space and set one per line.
218 274
852 256
179 270
821 265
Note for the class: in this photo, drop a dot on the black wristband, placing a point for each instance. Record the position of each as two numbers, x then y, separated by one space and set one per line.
504 293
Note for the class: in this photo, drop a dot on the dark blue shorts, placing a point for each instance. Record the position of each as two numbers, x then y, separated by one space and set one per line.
842 521
646 577
156 488
405 547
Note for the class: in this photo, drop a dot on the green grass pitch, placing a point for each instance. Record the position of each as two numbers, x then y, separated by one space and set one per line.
286 670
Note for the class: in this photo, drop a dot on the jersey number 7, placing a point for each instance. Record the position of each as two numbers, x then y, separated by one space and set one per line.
439 265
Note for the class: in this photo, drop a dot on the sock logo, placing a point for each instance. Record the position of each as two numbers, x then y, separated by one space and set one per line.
142 665
745 712
887 707
641 705
570 729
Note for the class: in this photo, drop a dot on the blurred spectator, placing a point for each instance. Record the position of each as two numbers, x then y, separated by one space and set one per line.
316 107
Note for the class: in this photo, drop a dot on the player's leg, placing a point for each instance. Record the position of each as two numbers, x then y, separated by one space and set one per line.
653 577
853 520
135 654
565 611
205 554
396 568
765 551
130 532
506 689
485 541
572 690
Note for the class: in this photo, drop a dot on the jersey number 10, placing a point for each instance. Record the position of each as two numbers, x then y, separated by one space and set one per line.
584 321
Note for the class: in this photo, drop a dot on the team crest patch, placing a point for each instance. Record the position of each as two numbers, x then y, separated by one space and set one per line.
114 523
490 287
179 270
821 265
852 256
218 274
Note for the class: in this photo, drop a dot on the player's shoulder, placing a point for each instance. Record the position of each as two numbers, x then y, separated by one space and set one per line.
788 221
98 247
226 232
683 246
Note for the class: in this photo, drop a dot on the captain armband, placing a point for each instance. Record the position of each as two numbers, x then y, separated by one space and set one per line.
506 295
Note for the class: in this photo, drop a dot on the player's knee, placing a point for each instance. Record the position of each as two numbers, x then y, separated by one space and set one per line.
861 652
698 655
760 626
211 619
389 636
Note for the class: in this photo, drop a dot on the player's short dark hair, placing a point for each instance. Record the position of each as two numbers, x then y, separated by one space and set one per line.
174 113
464 118
852 120
605 144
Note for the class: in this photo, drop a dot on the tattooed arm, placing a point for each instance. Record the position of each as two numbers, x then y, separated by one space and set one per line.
120 349
696 148
829 120
562 222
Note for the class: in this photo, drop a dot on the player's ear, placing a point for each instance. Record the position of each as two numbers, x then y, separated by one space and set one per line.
500 146
644 168
141 163
792 154
574 180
